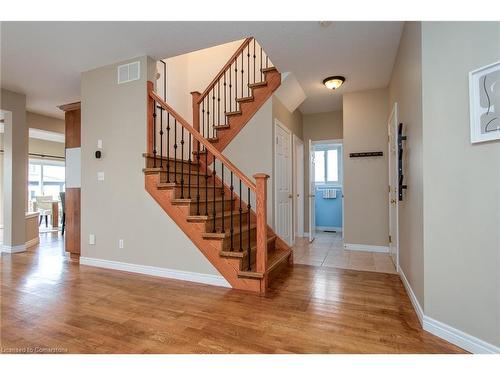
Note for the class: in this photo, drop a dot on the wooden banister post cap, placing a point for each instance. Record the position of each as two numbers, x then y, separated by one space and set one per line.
261 175
195 93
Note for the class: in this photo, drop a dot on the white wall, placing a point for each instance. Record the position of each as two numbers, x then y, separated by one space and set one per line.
119 207
193 72
461 183
405 88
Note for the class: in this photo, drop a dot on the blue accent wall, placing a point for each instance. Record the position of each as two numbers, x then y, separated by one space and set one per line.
328 211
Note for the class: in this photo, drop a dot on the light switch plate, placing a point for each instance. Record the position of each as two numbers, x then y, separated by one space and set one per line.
100 176
99 143
91 239
120 243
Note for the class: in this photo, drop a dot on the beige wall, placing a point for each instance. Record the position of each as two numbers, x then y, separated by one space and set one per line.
35 120
119 207
365 179
318 127
406 89
461 183
193 72
292 121
15 168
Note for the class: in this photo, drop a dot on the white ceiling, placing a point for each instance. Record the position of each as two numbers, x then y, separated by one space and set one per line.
44 59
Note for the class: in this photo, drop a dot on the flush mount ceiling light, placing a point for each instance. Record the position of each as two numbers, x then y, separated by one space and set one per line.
334 82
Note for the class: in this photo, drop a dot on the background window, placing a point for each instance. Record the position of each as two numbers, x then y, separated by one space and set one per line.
328 164
45 178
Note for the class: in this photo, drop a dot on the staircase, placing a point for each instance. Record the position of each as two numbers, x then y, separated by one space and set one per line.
218 207
236 93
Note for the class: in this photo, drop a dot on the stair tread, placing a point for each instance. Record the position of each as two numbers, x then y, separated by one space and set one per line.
172 185
268 69
275 258
146 155
218 216
237 230
245 99
222 126
213 139
257 84
193 200
241 254
233 113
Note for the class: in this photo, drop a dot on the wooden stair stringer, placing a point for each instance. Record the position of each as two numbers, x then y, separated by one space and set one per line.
248 109
228 268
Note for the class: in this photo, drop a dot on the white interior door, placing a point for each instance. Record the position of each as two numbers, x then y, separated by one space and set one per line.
282 171
392 127
312 196
299 186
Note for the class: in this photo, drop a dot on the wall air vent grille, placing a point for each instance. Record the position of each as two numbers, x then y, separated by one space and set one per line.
129 72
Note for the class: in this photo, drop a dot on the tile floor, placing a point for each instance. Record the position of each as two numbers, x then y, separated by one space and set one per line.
327 250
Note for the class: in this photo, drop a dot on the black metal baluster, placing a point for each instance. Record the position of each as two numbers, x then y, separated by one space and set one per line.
222 196
168 147
235 83
242 72
208 118
206 182
202 119
241 217
154 134
189 161
198 181
175 150
213 112
248 69
260 63
254 56
225 100
182 162
249 237
231 230
218 106
161 137
230 90
214 204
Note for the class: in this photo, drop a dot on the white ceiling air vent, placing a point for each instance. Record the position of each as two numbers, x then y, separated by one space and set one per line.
129 72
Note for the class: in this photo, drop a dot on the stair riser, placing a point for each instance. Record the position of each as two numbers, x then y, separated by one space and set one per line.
194 191
226 243
176 177
227 223
218 206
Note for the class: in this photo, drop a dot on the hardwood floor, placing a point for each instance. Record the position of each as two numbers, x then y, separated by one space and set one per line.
59 306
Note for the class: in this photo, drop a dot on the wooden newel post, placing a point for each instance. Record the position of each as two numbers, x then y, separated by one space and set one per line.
196 115
261 210
149 145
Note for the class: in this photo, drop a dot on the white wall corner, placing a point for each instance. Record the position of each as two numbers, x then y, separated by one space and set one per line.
290 92
444 331
13 249
195 277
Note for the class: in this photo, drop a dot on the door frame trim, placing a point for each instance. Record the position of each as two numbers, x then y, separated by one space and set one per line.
295 183
275 192
395 113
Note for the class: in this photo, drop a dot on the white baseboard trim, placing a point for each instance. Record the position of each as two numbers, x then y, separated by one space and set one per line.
446 332
370 248
157 271
413 298
13 249
33 242
336 229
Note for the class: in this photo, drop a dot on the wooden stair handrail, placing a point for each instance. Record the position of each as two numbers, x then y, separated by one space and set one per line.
196 135
224 68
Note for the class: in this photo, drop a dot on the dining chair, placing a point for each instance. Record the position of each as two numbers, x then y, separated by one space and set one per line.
62 196
44 207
